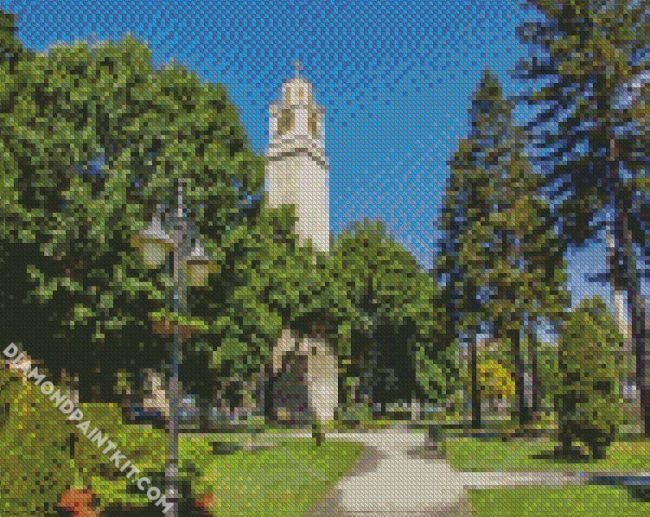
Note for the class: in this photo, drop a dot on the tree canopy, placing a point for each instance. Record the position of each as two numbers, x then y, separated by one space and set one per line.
395 335
93 139
587 73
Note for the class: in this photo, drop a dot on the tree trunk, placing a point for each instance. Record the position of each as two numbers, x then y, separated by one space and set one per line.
260 391
623 239
639 330
372 370
416 408
205 404
534 374
268 395
476 389
520 399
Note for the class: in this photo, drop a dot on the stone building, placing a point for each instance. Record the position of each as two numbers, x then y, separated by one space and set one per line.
304 376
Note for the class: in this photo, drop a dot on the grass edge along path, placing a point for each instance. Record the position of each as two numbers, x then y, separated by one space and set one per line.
574 501
491 455
287 479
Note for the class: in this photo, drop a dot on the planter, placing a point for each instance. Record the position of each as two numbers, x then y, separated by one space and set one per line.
204 503
166 328
78 502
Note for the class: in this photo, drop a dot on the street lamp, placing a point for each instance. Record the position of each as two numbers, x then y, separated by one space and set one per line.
198 266
189 269
154 242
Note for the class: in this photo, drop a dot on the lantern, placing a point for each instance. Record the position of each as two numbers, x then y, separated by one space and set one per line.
198 265
154 243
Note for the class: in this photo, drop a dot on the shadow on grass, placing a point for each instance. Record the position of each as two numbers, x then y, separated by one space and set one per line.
573 456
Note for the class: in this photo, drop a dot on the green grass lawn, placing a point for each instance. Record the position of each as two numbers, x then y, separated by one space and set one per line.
580 501
285 480
39 462
470 454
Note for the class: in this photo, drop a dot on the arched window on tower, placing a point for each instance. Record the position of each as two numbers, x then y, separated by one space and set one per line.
313 122
285 121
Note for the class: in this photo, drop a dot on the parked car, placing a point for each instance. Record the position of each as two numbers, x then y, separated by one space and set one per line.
142 415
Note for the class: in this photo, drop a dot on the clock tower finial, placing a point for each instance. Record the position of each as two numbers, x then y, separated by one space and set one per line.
297 66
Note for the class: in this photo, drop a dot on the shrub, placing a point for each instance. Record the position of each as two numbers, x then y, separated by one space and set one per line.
35 465
38 465
588 401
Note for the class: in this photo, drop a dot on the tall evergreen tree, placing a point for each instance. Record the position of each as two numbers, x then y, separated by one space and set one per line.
586 56
470 199
500 258
527 276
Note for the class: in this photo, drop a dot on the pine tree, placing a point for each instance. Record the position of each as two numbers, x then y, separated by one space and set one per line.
501 257
588 401
527 276
470 198
586 56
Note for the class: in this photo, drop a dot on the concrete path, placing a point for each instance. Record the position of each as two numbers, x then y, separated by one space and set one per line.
396 476
393 478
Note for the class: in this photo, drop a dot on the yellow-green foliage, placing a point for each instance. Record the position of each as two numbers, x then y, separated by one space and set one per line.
496 381
588 402
36 464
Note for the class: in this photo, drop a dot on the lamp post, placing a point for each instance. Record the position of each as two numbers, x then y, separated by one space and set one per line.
189 268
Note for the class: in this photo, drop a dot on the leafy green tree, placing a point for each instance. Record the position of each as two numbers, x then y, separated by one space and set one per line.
11 49
395 330
267 282
92 139
588 58
496 381
588 402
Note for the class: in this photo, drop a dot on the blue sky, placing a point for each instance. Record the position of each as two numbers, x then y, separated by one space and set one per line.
395 77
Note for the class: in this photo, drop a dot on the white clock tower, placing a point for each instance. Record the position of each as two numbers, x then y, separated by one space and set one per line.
304 375
297 168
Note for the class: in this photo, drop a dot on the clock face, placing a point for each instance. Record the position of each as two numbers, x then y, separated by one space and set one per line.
285 120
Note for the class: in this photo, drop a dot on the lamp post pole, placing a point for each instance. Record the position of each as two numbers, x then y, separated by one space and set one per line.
179 309
189 268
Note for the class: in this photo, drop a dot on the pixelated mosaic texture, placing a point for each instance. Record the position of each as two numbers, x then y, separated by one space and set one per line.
347 257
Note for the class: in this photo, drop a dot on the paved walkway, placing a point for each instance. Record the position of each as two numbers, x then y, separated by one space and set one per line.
397 477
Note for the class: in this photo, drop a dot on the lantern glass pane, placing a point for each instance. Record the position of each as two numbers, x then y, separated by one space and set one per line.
153 253
197 274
